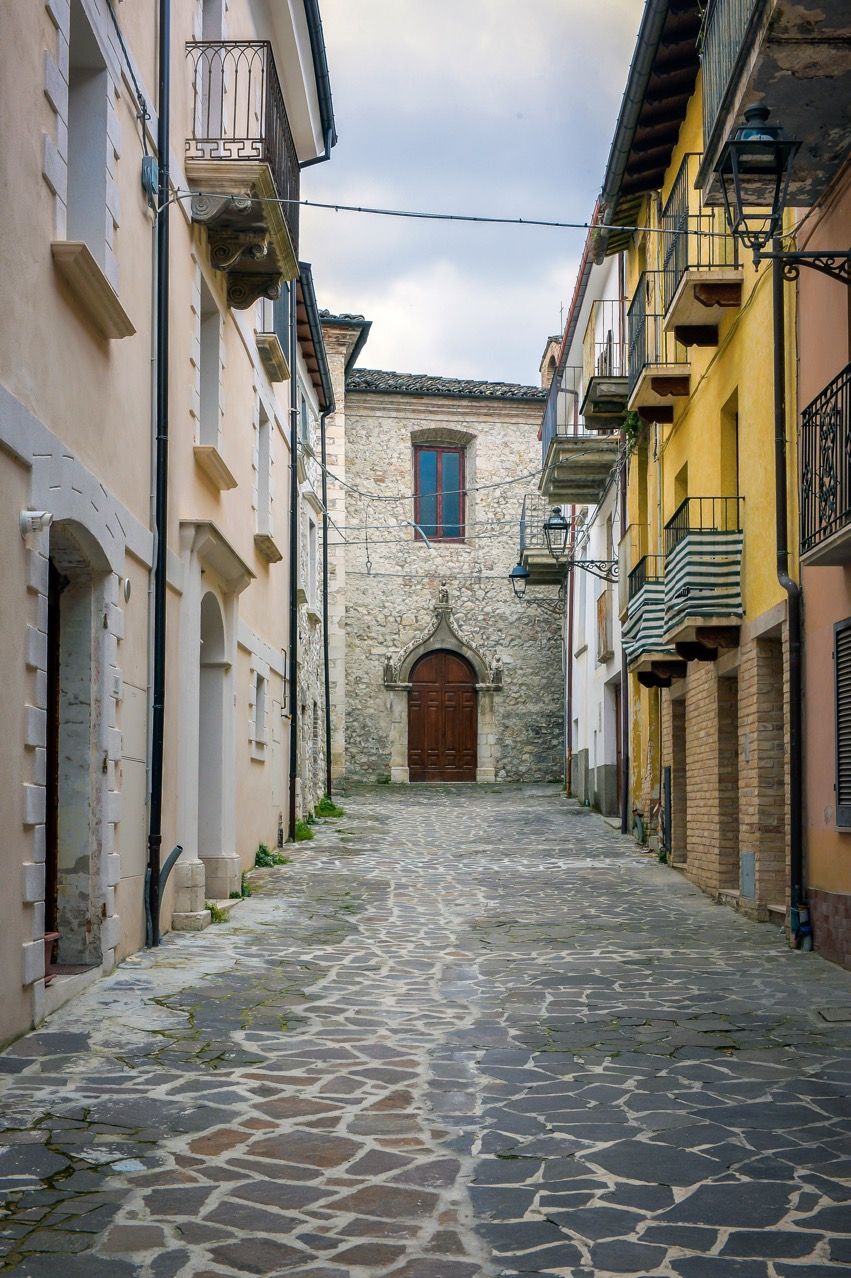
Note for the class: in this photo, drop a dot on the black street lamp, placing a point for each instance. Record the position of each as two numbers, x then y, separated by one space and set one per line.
519 578
755 166
556 533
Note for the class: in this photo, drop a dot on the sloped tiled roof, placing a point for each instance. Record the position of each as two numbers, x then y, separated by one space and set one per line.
377 381
328 317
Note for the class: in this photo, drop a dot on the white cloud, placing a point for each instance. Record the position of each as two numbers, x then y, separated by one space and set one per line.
471 106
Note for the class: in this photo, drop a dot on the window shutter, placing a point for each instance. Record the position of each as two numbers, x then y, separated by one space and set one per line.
842 672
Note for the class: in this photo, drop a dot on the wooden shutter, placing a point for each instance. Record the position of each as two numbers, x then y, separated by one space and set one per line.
842 673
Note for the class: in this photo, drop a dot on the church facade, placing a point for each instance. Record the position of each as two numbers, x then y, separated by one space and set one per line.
438 673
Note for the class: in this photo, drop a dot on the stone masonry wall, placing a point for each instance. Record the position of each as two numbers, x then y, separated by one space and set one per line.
392 580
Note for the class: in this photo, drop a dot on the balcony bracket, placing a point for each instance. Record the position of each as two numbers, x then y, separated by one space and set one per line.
650 679
665 385
697 334
661 413
669 669
227 248
726 295
693 651
244 289
718 636
210 208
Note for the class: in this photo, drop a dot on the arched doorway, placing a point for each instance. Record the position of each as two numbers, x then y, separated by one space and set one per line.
442 719
211 712
74 894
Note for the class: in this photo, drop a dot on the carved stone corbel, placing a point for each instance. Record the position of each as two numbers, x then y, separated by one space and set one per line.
245 289
229 247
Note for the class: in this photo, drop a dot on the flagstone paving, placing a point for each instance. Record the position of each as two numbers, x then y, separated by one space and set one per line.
465 1032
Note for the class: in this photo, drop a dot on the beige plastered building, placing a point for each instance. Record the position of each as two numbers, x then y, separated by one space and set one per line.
77 478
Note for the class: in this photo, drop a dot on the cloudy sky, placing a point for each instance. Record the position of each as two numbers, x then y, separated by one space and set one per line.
502 107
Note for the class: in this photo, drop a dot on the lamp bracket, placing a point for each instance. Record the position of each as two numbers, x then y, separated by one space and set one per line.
605 569
836 265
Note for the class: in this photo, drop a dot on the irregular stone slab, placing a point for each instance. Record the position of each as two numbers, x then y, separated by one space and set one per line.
387 1202
310 1148
761 1205
656 1164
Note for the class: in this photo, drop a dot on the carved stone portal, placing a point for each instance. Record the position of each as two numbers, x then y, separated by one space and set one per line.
442 634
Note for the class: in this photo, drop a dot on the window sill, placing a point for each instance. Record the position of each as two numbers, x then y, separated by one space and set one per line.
211 462
266 545
273 357
257 751
579 651
84 277
313 616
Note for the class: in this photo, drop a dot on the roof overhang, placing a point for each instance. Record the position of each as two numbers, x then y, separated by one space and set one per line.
310 339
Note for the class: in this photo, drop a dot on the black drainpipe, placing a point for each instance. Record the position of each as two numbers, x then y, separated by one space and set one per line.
325 635
793 591
161 493
293 655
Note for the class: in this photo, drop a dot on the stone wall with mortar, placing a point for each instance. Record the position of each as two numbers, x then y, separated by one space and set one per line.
392 579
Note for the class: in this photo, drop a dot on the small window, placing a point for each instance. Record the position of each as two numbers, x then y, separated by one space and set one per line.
264 473
842 676
88 96
260 710
311 562
209 368
439 493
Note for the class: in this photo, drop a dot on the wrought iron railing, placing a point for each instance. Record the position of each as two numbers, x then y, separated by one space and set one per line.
648 569
238 114
723 42
604 348
692 239
532 518
561 412
703 514
825 457
648 341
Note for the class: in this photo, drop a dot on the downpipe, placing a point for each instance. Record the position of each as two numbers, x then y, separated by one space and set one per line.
799 920
154 876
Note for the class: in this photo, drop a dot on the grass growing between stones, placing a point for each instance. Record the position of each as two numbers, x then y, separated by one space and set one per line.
217 914
265 857
326 807
303 832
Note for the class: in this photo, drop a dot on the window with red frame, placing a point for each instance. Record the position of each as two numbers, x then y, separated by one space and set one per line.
439 492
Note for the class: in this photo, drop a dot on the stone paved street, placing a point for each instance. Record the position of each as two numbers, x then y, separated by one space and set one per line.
466 1032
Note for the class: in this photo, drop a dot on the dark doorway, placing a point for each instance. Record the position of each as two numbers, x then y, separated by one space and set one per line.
56 583
442 719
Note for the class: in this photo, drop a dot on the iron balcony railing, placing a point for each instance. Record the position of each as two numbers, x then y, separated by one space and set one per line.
238 114
561 412
825 455
604 348
724 42
692 239
703 514
532 517
651 568
648 341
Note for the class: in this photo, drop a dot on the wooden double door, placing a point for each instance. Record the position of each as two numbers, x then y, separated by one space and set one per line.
442 719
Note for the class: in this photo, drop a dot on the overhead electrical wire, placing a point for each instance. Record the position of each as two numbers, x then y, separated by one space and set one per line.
487 219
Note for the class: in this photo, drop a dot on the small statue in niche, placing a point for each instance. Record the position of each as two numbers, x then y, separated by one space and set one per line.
496 672
389 673
443 594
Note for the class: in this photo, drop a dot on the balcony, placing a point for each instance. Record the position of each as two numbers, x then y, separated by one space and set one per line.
273 340
658 368
825 469
240 162
534 553
788 56
576 466
703 576
701 274
647 654
603 406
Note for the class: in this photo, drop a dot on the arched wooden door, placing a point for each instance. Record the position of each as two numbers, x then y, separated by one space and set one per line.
442 719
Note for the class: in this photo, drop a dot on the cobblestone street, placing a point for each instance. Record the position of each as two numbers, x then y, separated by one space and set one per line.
465 1032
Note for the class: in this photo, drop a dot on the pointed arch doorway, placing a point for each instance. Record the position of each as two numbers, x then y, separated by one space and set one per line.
442 719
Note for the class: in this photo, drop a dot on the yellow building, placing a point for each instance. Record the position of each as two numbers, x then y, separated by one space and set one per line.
706 619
